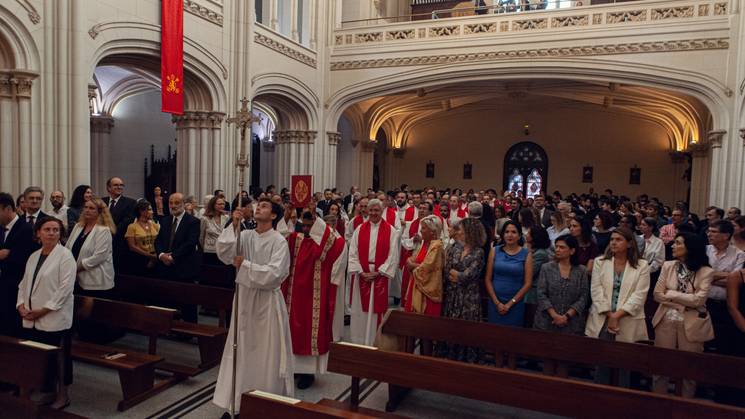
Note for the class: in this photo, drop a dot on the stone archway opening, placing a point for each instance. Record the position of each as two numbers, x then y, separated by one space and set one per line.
610 126
133 139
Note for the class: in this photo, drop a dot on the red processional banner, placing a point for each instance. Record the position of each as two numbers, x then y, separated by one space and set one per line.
172 56
302 187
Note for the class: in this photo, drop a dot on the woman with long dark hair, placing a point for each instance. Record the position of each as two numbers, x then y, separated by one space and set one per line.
80 196
587 250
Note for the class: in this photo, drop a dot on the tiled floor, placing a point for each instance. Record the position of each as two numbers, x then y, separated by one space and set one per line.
96 391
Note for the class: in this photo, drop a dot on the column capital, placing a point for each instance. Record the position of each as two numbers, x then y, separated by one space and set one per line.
334 137
196 119
294 136
16 83
399 152
715 137
102 123
699 149
369 146
742 135
268 146
677 157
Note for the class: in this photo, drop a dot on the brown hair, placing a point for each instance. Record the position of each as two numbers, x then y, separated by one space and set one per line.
633 253
473 232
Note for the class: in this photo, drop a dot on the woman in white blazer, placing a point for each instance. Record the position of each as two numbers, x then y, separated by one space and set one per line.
91 244
620 281
45 302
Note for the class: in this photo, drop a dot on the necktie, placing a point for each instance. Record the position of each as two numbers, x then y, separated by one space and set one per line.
174 224
2 235
112 203
31 220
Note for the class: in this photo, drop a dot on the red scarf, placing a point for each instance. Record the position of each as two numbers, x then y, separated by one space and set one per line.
462 211
382 250
409 216
357 221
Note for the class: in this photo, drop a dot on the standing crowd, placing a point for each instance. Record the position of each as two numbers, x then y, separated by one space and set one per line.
597 265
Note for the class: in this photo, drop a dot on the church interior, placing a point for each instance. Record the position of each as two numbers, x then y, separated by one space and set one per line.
459 106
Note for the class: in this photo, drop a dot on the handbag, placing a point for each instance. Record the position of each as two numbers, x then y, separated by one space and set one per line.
697 322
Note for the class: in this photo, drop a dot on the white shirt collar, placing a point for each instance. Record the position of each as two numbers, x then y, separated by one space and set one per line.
10 225
35 215
179 217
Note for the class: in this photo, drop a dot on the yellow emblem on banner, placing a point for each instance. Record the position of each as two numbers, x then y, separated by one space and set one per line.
171 87
301 191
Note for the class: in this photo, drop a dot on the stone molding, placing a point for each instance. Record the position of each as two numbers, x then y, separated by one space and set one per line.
16 84
198 119
334 137
715 138
33 15
197 9
578 51
294 137
102 123
285 50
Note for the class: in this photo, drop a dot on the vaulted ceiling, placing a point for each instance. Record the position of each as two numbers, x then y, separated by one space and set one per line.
684 118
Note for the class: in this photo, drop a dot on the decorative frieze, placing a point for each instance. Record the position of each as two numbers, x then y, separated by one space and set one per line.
397 35
672 12
197 9
720 9
444 31
577 51
479 28
16 84
703 10
362 38
285 50
567 21
198 119
529 24
626 16
294 137
102 123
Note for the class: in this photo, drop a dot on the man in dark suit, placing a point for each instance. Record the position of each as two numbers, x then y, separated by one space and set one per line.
349 198
544 214
16 245
33 197
326 202
122 211
177 249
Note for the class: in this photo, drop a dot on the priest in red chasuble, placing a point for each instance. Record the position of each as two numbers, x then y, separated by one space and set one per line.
373 260
318 260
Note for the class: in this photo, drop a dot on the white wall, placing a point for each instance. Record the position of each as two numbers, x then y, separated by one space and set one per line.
345 157
138 122
572 138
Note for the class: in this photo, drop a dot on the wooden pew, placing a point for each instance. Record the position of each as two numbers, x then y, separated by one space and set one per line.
136 370
211 339
25 365
567 349
258 404
222 276
530 391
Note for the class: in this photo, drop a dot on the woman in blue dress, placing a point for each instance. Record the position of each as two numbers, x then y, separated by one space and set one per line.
509 275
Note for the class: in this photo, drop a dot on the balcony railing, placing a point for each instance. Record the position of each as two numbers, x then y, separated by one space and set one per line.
642 12
500 7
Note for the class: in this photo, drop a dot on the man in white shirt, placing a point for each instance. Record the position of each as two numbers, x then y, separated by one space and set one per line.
59 209
401 206
724 259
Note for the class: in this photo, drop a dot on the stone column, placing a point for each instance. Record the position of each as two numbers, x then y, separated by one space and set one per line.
268 163
679 186
330 163
700 170
313 29
718 169
101 126
200 169
366 163
294 31
18 166
398 160
274 14
294 155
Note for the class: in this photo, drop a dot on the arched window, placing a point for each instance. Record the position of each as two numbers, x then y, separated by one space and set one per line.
525 169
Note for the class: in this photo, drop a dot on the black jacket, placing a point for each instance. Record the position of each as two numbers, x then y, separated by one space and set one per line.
123 213
186 256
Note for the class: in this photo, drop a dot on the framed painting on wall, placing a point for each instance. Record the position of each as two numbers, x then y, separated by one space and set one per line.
587 174
467 171
430 169
635 176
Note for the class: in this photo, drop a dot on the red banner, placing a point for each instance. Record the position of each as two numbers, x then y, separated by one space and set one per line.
302 190
172 56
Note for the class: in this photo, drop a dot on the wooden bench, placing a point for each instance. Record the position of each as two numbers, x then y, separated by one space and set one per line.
257 404
217 276
519 389
211 339
554 348
136 370
25 365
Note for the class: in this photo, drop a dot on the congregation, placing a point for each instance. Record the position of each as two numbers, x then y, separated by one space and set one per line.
598 265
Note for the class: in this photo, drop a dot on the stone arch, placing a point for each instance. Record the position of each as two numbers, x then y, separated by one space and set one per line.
712 93
18 50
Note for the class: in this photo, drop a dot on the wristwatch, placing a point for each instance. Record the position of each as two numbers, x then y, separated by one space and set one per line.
513 301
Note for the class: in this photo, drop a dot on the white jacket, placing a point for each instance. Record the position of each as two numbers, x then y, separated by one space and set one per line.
52 289
95 257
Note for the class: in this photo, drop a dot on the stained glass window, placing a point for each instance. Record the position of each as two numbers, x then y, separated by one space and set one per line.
534 183
516 182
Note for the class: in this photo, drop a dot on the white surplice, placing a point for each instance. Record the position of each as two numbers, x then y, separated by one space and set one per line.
265 359
311 364
359 318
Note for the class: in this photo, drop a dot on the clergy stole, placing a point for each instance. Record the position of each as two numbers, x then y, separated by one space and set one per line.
356 222
463 211
405 255
309 294
390 216
409 215
382 250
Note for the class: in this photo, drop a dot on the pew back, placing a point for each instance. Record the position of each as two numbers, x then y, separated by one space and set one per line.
649 360
515 388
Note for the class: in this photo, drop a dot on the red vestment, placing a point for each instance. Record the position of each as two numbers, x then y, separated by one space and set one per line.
390 216
382 250
409 215
309 293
